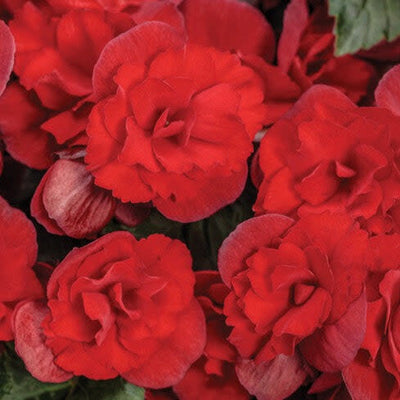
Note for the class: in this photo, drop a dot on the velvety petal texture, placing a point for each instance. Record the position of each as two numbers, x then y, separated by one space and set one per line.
119 306
177 123
18 252
55 55
213 375
387 93
30 343
297 290
229 25
306 52
57 44
273 380
24 137
328 154
67 202
7 50
373 374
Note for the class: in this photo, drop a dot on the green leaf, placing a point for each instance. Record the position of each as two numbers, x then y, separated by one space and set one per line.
360 24
114 389
18 384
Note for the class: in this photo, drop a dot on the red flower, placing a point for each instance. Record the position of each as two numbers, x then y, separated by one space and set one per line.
213 376
24 137
229 25
297 291
306 53
176 122
387 93
67 202
374 374
18 251
328 154
7 49
56 49
108 5
240 28
56 54
116 307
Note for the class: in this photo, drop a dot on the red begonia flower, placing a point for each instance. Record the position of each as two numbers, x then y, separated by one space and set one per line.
67 202
24 137
176 122
108 5
55 55
272 380
7 50
237 27
295 288
328 154
18 252
117 306
387 93
306 52
56 49
213 376
374 374
30 343
229 25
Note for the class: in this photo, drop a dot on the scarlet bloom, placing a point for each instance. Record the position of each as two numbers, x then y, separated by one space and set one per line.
306 52
67 202
297 294
57 45
175 122
18 252
116 307
213 375
328 154
56 53
374 373
7 48
108 5
24 138
387 93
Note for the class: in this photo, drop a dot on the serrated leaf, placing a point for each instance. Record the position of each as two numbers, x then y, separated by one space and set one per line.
360 24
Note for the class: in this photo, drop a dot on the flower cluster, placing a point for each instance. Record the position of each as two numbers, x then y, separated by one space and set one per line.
114 112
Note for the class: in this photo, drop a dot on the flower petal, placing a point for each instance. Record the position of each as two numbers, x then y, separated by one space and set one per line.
139 44
273 380
30 344
7 51
247 237
387 93
335 346
229 25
